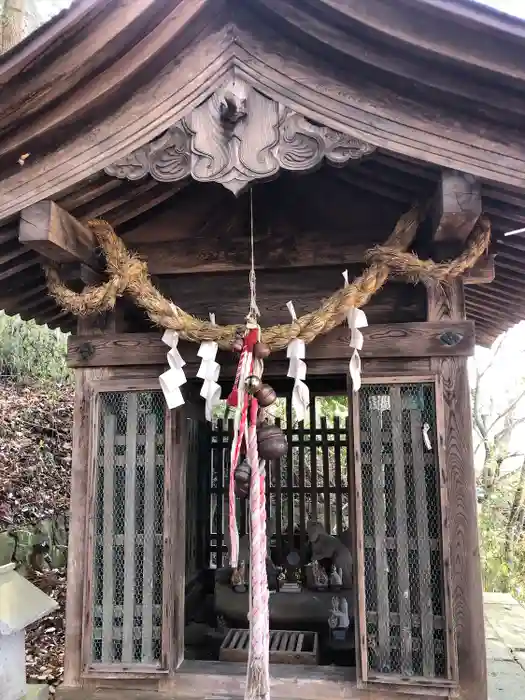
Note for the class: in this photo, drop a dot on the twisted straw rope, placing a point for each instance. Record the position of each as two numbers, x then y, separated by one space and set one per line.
129 274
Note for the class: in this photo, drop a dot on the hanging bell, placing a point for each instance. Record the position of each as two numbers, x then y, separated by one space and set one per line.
265 395
242 479
237 344
271 441
253 384
261 350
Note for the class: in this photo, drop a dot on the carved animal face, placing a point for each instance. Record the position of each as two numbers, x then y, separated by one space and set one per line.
233 105
314 530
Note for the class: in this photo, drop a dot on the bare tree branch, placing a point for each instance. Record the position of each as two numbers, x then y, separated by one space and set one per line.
496 349
508 410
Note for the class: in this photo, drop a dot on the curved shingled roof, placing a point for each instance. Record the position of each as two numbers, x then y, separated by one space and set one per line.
431 83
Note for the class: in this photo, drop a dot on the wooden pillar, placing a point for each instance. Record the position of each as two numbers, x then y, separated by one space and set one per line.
77 547
174 570
447 302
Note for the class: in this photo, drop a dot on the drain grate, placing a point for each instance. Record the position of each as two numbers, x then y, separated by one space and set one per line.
285 647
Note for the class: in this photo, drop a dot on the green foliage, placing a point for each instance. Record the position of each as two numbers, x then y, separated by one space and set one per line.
32 352
502 551
498 402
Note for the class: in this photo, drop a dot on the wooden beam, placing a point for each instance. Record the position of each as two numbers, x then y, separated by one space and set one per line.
56 235
388 340
78 272
208 253
483 272
457 206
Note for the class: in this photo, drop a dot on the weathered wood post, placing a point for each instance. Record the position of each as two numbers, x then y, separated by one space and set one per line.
21 604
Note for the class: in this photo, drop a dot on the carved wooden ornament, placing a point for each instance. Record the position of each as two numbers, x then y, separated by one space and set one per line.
235 137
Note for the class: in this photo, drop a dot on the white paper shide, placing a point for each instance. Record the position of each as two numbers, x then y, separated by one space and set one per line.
209 371
296 353
356 319
172 380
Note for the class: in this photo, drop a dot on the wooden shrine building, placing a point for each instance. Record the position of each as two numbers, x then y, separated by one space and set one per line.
314 125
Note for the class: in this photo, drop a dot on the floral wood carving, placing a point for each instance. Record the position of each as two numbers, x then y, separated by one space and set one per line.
238 136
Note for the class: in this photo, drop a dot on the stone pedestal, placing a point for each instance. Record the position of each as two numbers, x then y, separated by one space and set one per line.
21 604
12 665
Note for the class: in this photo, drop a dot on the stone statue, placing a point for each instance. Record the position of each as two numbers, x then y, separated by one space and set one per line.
326 546
319 574
339 620
336 578
238 580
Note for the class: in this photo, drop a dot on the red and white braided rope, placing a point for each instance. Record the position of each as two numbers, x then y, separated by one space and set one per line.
244 369
258 673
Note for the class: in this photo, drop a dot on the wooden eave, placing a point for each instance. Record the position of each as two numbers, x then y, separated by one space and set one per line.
431 83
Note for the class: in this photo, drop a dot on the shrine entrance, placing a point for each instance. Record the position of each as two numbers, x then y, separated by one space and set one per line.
382 501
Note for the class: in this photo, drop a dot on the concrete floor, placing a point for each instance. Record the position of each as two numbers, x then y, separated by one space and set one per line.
505 633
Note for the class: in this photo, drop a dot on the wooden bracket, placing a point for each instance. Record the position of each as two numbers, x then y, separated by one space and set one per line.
457 206
56 235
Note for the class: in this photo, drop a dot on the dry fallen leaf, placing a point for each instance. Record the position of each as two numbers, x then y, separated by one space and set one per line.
35 470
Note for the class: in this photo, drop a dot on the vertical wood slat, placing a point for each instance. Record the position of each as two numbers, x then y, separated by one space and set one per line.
289 475
174 564
383 607
302 490
326 475
129 528
442 475
226 489
108 464
79 621
425 593
278 504
355 496
205 467
313 458
150 473
338 478
220 472
405 620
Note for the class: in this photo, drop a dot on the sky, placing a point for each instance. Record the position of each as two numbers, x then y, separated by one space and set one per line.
512 7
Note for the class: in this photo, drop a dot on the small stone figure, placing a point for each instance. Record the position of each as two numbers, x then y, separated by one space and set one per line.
326 546
319 575
336 578
238 580
339 621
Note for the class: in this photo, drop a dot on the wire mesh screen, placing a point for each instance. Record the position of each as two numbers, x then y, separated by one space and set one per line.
128 528
402 530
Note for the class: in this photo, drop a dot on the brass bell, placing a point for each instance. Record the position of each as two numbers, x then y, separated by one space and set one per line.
261 351
242 479
237 344
265 395
271 441
253 384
